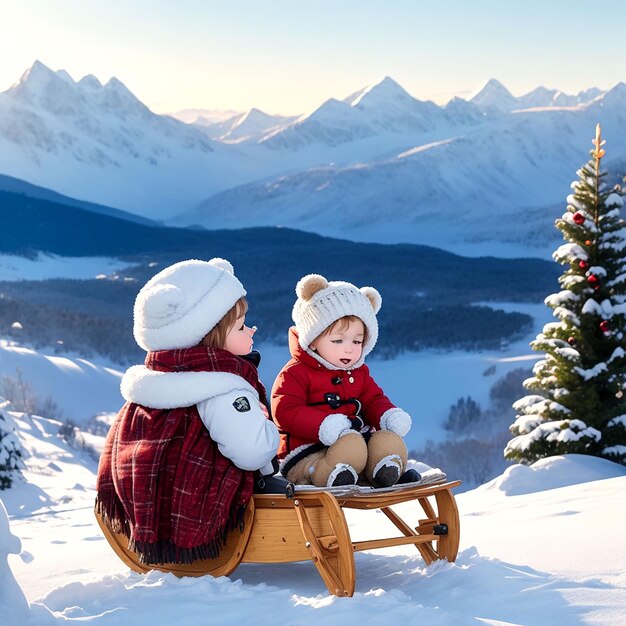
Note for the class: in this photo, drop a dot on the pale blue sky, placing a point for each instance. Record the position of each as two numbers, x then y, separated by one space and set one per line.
289 56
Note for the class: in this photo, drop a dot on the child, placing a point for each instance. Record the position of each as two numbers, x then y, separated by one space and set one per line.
177 469
335 421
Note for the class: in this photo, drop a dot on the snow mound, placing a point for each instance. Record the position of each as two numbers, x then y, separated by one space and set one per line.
13 604
81 388
553 472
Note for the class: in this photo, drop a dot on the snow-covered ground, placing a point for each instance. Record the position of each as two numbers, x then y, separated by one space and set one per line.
45 266
80 388
539 545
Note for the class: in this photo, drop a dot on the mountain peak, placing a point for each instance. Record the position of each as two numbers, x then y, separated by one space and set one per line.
385 90
388 83
40 74
539 97
493 84
328 108
41 84
616 95
540 91
618 88
494 94
90 81
117 94
37 69
116 84
255 113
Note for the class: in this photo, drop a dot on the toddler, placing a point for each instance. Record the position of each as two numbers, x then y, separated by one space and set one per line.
177 469
335 421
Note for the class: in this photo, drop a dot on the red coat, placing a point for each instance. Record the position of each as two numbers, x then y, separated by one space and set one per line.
304 381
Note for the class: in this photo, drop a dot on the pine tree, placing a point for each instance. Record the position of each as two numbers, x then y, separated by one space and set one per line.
579 404
11 451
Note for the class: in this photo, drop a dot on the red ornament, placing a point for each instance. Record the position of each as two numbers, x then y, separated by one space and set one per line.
579 218
571 341
583 265
604 326
592 279
588 242
596 287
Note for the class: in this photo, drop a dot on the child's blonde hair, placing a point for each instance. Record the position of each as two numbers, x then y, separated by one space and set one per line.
216 337
342 324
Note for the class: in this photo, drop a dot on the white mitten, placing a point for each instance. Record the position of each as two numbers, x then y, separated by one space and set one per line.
397 421
334 426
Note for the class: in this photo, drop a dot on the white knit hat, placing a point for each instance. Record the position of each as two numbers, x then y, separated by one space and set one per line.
320 303
182 303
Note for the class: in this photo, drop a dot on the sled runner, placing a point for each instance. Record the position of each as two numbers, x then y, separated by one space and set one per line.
309 524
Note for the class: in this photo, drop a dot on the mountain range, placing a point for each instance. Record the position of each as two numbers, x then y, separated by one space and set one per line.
99 143
377 165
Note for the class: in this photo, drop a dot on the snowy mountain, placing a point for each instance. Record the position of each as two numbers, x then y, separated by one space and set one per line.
539 97
204 116
614 99
582 97
378 161
252 125
95 142
469 187
388 107
384 112
493 94
525 556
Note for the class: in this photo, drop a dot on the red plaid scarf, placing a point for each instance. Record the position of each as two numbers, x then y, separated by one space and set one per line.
162 481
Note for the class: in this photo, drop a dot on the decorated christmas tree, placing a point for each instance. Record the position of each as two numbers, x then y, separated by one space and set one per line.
579 403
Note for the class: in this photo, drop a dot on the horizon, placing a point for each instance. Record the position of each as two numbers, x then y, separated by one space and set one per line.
471 93
288 59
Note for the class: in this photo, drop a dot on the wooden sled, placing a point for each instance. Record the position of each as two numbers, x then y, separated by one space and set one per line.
312 526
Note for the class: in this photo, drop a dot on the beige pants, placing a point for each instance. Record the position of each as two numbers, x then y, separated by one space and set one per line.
352 450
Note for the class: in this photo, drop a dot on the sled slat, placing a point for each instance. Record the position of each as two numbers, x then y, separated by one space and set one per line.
426 550
377 500
428 509
373 544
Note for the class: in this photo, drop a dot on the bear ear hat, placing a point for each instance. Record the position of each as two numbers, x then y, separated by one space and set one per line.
373 296
309 285
223 264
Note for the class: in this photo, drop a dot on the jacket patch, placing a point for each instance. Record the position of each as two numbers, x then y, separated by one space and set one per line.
241 404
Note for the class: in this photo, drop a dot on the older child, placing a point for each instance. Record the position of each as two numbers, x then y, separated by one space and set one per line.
177 469
335 421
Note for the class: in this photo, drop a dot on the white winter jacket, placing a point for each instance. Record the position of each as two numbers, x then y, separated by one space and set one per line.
228 406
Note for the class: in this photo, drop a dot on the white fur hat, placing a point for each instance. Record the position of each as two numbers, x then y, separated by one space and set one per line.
182 303
320 303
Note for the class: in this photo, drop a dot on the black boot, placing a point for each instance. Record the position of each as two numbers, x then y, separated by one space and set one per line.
345 476
410 476
386 476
